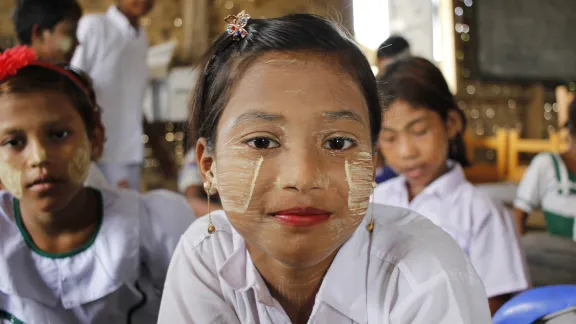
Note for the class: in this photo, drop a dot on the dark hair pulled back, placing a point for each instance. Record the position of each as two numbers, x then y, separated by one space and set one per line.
228 57
37 78
420 83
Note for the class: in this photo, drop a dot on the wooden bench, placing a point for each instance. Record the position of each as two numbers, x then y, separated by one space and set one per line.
555 143
482 172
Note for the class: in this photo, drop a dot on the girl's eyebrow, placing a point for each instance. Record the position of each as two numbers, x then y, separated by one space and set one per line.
408 125
254 115
343 114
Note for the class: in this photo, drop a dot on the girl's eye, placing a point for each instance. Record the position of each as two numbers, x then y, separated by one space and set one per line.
16 142
262 143
420 132
339 143
387 139
60 134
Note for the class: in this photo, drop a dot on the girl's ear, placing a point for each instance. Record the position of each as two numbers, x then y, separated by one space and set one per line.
97 140
205 160
36 37
454 123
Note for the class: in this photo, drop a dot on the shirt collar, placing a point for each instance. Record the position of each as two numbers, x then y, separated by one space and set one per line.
240 273
442 187
346 274
120 20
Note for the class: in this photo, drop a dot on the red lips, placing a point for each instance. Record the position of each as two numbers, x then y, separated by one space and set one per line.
306 216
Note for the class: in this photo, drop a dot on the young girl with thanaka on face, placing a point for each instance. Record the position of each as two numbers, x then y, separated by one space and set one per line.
70 253
286 114
421 139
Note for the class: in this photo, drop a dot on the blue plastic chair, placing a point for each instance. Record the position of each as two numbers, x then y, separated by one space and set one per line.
533 305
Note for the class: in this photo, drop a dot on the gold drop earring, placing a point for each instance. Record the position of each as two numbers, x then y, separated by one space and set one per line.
210 190
370 225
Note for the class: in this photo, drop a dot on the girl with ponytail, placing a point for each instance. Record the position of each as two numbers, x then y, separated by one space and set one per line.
422 140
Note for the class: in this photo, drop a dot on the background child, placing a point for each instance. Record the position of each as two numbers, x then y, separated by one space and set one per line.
392 49
113 51
549 183
48 27
422 140
70 253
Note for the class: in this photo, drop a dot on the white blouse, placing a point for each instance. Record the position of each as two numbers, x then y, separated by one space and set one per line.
406 271
482 227
117 277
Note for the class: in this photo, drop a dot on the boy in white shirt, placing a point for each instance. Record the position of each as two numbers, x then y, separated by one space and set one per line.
113 49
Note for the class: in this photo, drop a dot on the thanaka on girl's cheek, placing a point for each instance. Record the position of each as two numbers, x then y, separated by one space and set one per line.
79 165
360 176
236 180
11 179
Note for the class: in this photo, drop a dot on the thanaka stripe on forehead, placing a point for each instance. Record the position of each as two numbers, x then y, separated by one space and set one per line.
256 115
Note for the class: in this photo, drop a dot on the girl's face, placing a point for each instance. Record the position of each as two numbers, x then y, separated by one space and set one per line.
415 142
45 152
135 8
57 45
293 161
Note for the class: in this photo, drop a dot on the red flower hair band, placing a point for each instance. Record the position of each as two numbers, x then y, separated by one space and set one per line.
19 57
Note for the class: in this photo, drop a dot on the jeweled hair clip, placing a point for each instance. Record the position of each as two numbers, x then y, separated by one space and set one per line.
236 24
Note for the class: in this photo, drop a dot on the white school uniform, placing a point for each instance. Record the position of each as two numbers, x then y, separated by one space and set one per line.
114 54
189 174
406 271
548 184
96 178
482 227
116 277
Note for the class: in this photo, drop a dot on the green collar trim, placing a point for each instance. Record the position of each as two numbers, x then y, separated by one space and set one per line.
10 318
30 243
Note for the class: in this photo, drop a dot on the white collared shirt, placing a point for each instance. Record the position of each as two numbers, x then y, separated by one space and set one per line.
114 54
116 278
96 178
406 271
482 227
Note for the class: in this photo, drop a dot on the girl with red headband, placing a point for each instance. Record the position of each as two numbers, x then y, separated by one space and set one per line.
71 253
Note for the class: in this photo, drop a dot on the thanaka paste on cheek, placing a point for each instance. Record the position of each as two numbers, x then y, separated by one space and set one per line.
359 175
11 179
79 165
236 186
64 44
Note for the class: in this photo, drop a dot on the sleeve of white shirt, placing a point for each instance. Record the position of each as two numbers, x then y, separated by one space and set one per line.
88 38
494 249
166 217
448 297
192 293
532 186
189 175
